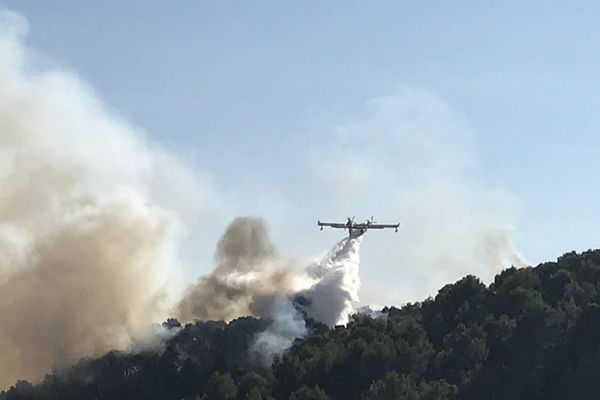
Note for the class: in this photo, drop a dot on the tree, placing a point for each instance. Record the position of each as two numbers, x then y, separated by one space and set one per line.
396 386
220 387
253 386
533 334
392 386
309 393
464 352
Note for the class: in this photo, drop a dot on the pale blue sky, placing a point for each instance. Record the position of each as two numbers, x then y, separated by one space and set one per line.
248 87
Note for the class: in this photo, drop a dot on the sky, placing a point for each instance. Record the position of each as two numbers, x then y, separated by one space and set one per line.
453 118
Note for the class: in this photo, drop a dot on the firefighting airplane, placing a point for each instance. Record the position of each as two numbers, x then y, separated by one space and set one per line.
355 229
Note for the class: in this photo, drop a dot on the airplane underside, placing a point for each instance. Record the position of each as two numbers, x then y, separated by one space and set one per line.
356 232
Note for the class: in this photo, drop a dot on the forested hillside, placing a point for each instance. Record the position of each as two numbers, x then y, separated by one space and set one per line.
534 333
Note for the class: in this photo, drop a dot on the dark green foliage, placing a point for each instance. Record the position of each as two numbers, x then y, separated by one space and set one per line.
253 386
345 361
309 393
220 387
533 334
396 386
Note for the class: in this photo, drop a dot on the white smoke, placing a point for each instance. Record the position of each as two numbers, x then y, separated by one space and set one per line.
286 325
407 157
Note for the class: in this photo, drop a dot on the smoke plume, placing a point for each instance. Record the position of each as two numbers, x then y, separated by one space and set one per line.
85 233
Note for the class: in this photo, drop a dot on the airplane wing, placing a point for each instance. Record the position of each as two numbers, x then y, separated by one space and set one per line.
331 224
382 226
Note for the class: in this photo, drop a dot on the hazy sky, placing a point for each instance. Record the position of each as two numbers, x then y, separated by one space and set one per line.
290 108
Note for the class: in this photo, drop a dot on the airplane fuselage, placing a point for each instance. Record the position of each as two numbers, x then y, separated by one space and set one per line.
356 232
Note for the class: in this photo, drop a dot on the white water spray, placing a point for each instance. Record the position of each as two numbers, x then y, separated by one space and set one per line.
332 297
329 300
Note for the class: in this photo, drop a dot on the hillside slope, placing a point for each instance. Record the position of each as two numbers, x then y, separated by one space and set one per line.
534 333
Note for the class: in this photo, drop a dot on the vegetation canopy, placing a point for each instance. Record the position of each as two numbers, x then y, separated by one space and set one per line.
534 333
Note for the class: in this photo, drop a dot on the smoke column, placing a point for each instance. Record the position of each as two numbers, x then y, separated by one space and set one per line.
85 233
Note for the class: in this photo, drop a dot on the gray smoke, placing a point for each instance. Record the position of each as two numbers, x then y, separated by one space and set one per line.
247 268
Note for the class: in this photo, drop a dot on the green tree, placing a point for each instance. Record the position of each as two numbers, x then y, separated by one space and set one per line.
392 386
464 353
309 393
396 386
253 386
220 387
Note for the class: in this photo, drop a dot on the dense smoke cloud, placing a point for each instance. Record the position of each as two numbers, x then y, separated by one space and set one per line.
89 218
86 231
